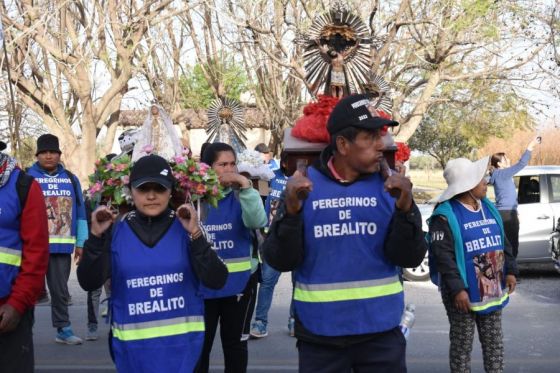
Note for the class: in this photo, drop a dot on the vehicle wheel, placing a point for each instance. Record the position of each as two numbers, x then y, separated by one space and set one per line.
420 273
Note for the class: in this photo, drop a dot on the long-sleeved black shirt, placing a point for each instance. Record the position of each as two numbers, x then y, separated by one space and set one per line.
443 248
95 266
284 248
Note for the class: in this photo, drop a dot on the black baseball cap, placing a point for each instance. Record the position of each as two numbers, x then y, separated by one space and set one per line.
151 169
47 142
352 111
2 145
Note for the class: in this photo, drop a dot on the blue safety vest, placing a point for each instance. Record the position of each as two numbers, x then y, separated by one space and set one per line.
232 242
277 186
10 239
157 313
483 247
345 285
60 199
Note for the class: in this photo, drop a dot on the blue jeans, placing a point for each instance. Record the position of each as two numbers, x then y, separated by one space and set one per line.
270 278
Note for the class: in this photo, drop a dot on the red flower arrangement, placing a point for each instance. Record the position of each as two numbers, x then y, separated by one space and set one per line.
403 152
313 125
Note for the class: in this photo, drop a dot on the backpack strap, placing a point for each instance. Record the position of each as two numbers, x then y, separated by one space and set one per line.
75 186
23 184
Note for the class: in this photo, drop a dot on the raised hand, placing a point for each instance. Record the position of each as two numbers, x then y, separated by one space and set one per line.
101 220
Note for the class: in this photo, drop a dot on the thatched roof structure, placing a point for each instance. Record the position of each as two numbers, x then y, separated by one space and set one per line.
194 119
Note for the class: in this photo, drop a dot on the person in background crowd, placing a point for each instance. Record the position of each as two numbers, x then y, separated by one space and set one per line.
267 156
345 242
229 227
67 229
24 255
157 260
269 275
94 296
506 195
474 263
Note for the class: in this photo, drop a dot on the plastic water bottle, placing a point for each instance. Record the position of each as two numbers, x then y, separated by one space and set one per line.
407 320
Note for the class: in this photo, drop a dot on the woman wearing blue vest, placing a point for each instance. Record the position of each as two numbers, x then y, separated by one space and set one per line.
229 228
474 262
156 261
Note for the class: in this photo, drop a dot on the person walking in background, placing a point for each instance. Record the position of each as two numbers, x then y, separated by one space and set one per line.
267 156
67 229
270 276
24 255
345 242
474 262
229 228
157 260
501 178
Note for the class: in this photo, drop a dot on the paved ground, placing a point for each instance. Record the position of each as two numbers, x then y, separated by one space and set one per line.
531 333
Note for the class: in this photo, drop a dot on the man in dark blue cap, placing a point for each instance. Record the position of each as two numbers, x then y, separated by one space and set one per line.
360 226
67 229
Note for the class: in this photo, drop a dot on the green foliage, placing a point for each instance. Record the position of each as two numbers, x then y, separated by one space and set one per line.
466 116
440 141
197 91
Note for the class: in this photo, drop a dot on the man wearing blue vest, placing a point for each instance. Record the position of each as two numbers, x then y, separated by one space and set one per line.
67 229
345 242
24 251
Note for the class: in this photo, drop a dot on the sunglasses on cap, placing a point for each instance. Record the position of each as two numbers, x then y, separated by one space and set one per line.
148 187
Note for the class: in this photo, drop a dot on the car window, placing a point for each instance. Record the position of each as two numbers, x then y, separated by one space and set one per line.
528 189
555 186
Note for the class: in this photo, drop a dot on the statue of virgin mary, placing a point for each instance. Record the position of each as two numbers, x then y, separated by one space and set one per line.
157 136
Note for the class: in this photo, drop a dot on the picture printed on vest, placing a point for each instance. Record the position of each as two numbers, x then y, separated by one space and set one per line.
483 246
154 287
58 198
348 224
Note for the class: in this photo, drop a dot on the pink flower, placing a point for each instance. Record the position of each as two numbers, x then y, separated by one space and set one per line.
120 167
179 159
110 182
215 190
109 166
200 189
125 179
95 187
203 167
148 149
192 168
97 163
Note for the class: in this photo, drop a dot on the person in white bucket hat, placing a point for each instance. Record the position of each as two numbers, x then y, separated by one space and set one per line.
476 270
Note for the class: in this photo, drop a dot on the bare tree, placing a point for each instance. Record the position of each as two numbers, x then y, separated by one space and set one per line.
419 47
71 62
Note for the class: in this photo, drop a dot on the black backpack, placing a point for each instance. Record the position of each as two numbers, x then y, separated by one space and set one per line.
23 184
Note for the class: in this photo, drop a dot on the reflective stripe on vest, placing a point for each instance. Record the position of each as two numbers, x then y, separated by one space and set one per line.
238 264
10 256
159 328
347 290
481 306
62 239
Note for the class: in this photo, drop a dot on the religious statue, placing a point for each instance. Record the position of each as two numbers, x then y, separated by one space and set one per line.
157 136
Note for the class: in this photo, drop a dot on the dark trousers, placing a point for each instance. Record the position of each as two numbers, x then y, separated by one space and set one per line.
234 315
511 229
58 274
16 347
384 353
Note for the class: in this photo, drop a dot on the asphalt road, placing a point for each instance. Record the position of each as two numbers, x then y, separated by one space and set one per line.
531 332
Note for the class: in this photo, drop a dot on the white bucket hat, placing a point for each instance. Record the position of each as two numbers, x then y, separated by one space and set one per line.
462 175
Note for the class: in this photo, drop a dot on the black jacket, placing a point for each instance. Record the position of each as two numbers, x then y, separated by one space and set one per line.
284 248
443 248
95 266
